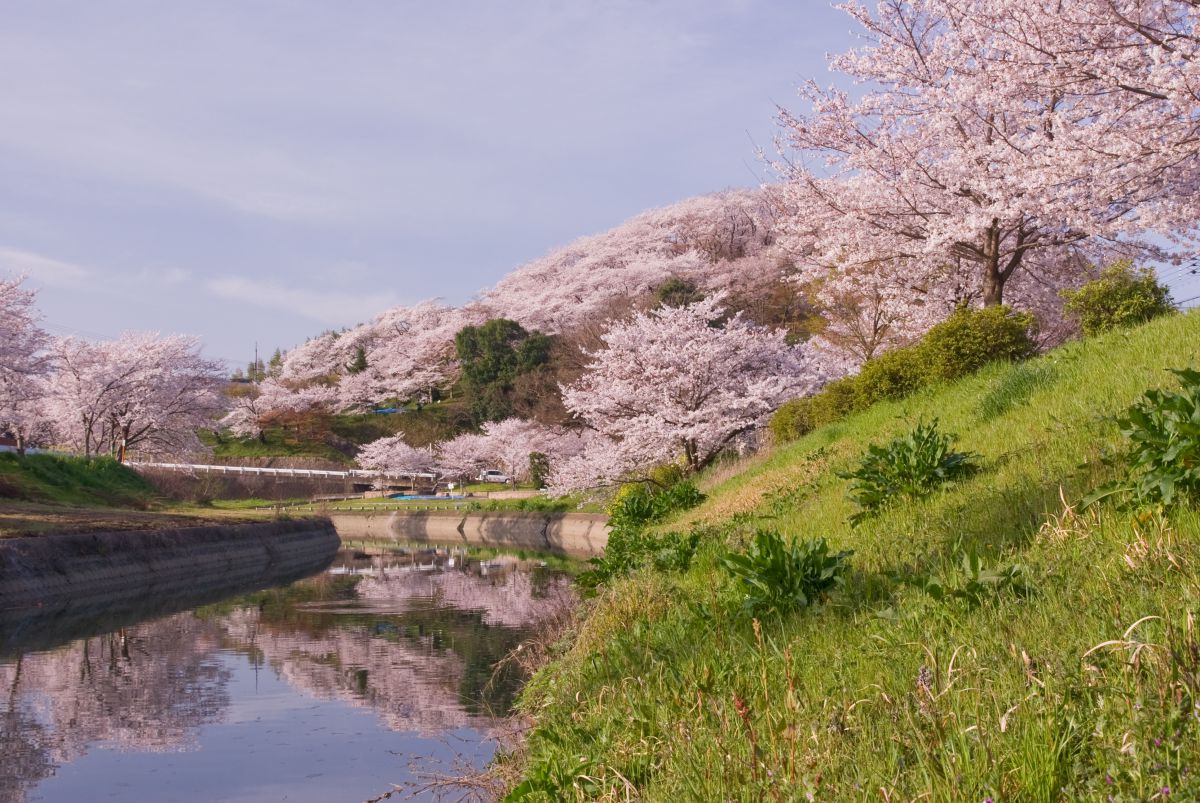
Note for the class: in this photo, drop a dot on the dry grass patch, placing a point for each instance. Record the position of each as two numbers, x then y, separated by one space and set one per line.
755 487
31 518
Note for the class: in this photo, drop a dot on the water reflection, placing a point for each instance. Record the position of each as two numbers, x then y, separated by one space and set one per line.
410 641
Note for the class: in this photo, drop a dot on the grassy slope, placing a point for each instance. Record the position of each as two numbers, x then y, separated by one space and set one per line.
884 693
433 423
275 442
53 494
72 480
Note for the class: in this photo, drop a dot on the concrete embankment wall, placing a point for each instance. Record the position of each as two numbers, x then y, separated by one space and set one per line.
577 535
91 571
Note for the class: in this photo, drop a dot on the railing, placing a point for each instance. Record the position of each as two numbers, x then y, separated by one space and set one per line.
282 472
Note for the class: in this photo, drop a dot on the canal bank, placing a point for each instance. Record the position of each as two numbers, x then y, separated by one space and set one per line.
72 576
575 535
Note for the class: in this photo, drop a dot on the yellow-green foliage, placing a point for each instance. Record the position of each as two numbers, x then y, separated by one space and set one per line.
1122 296
962 344
1074 676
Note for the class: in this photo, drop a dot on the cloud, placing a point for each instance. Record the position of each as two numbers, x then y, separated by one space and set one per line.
169 276
328 307
42 268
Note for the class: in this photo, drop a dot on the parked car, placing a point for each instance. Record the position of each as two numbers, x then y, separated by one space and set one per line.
493 475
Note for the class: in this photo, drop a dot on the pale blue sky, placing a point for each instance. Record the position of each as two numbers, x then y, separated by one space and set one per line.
264 169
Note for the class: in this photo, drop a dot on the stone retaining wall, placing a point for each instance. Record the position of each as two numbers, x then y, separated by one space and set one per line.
82 576
577 535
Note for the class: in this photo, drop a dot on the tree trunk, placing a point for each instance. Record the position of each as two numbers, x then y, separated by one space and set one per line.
993 279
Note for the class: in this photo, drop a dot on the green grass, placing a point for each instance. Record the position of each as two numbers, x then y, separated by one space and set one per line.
436 422
72 481
250 504
1079 682
276 442
535 504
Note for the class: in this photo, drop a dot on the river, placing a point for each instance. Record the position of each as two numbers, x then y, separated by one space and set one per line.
378 671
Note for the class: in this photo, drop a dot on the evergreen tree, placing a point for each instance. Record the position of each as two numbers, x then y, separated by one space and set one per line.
359 363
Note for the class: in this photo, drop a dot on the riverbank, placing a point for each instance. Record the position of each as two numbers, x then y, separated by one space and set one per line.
575 535
79 576
928 675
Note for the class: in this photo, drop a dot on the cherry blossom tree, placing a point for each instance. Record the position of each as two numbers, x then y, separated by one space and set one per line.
678 383
23 399
142 391
21 339
23 366
463 456
394 457
996 138
702 240
254 410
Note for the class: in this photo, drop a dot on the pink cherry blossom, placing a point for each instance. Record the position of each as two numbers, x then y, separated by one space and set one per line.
677 384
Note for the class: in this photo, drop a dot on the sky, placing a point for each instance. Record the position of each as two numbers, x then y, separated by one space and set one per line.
258 171
261 170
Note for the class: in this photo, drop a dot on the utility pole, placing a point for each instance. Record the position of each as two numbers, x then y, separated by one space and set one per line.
257 378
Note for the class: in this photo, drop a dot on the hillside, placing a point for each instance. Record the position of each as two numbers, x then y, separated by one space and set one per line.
56 494
1078 680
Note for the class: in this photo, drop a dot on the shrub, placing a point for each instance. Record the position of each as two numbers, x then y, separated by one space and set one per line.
780 576
630 547
835 401
972 338
962 344
1122 296
1164 461
539 469
792 420
912 466
639 504
892 375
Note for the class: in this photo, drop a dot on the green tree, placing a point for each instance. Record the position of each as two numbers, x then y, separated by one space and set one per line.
677 292
493 355
539 469
256 371
275 366
359 363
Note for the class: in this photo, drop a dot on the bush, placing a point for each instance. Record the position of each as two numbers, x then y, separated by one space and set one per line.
973 584
780 576
972 338
892 375
1164 462
630 547
962 344
539 469
639 504
1122 296
835 401
912 466
792 420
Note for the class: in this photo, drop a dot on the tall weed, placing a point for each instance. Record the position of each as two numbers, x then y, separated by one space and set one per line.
779 576
912 466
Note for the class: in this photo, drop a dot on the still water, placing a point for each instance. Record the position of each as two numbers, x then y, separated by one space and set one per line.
379 671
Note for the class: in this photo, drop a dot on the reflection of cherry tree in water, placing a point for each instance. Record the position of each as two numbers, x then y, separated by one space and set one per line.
421 654
25 745
145 688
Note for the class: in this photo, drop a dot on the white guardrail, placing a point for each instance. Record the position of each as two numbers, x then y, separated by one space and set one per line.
282 472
